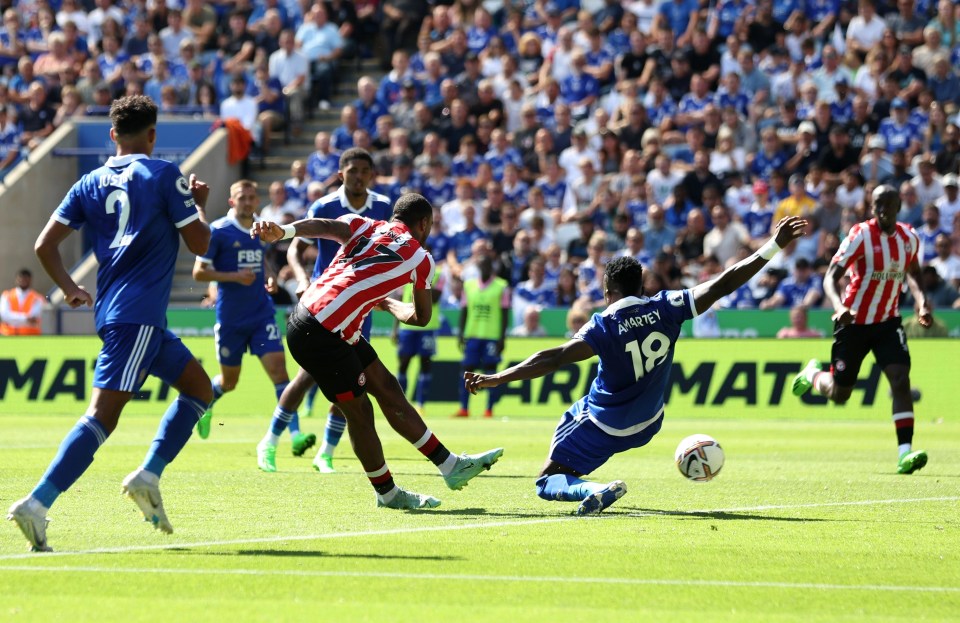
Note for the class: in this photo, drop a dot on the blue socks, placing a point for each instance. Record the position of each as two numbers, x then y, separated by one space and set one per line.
336 424
174 432
74 457
464 394
566 488
294 422
402 379
423 388
281 419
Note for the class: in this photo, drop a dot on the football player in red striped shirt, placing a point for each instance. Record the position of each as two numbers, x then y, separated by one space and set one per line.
880 255
323 335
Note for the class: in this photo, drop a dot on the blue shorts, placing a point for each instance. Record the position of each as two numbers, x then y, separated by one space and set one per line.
413 343
579 444
480 354
366 327
131 351
261 337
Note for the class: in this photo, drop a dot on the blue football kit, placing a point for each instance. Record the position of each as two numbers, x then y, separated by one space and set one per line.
246 318
134 205
634 339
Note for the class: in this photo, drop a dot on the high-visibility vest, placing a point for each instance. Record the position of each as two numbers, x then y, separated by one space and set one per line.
13 302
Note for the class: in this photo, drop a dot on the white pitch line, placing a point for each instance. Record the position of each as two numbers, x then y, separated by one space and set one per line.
773 507
485 578
447 528
297 537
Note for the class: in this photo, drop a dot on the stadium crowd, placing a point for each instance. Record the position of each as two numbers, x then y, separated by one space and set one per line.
554 135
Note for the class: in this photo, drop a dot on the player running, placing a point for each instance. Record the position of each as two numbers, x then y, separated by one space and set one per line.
879 255
634 339
353 197
323 335
135 206
246 318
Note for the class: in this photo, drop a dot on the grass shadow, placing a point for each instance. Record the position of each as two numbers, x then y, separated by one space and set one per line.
713 515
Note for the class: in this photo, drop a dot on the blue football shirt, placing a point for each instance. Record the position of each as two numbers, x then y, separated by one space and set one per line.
634 339
134 205
232 249
335 205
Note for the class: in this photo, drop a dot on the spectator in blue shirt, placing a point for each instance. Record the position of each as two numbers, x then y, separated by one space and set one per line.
897 130
803 287
676 16
579 90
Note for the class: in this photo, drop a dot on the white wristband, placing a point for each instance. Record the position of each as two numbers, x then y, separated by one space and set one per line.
289 231
769 249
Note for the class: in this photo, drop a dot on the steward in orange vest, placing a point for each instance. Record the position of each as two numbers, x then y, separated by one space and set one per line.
20 307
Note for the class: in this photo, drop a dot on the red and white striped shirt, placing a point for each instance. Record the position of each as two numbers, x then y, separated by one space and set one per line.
379 258
877 264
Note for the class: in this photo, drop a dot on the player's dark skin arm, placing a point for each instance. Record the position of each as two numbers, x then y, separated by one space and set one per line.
330 229
294 253
707 294
47 249
539 364
831 288
417 313
921 305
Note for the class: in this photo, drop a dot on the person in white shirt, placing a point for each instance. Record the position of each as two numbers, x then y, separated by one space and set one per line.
174 34
241 106
281 208
292 69
865 29
949 203
531 326
946 262
726 237
571 156
663 179
929 187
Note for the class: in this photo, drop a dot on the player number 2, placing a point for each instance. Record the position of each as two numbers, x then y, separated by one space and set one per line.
646 356
119 198
273 333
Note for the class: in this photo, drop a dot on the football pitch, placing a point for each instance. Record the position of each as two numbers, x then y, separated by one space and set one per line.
807 521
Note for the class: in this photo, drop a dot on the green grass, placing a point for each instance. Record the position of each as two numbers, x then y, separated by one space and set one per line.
807 522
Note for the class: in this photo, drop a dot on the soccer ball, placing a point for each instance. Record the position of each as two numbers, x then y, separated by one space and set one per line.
699 457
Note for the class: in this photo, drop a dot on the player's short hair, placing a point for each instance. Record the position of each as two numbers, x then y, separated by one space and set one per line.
23 272
355 153
241 184
884 193
625 275
133 114
411 207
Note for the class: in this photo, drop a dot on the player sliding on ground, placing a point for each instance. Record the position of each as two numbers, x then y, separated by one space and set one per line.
634 339
135 207
880 255
323 335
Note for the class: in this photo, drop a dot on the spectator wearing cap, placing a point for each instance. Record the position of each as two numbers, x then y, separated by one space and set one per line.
759 219
949 202
841 109
839 156
803 287
402 110
798 203
805 151
876 164
468 80
910 80
929 187
898 131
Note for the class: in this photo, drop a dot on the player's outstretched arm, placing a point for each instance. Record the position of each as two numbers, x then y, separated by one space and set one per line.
47 249
706 294
539 364
330 229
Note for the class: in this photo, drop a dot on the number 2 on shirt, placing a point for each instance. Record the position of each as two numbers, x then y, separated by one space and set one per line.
122 199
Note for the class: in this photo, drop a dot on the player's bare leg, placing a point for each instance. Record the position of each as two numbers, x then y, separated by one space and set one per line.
403 418
910 460
366 445
814 377
224 382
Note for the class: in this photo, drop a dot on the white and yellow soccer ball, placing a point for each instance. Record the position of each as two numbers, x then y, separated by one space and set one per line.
699 457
